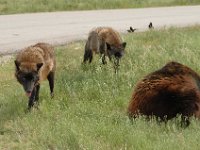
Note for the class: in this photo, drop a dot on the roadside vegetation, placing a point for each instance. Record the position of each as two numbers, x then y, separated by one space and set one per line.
27 6
90 103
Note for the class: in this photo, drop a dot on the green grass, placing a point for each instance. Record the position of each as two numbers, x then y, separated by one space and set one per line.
90 103
24 6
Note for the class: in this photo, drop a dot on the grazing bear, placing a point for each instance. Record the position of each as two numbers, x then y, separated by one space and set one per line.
33 65
106 42
167 92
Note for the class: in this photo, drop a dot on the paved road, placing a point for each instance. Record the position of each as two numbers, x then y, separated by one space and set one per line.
21 30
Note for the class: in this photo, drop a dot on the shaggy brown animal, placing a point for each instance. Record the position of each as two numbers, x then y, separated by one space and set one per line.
165 93
33 65
95 44
104 41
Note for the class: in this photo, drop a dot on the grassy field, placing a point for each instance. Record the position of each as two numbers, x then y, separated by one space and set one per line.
24 6
90 103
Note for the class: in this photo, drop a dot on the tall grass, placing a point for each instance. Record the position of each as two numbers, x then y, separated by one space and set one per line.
24 6
90 103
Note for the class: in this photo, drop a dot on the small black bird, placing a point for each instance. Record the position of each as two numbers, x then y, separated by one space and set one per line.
131 30
151 25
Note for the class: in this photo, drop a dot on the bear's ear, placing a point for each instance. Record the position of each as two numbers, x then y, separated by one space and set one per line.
17 64
39 65
124 44
108 46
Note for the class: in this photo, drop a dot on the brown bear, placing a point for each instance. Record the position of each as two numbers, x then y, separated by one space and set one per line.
167 92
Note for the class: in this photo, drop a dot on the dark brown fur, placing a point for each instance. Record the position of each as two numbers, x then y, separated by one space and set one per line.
115 45
106 42
33 65
95 44
165 93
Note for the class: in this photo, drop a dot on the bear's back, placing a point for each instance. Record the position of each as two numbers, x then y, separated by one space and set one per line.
172 90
